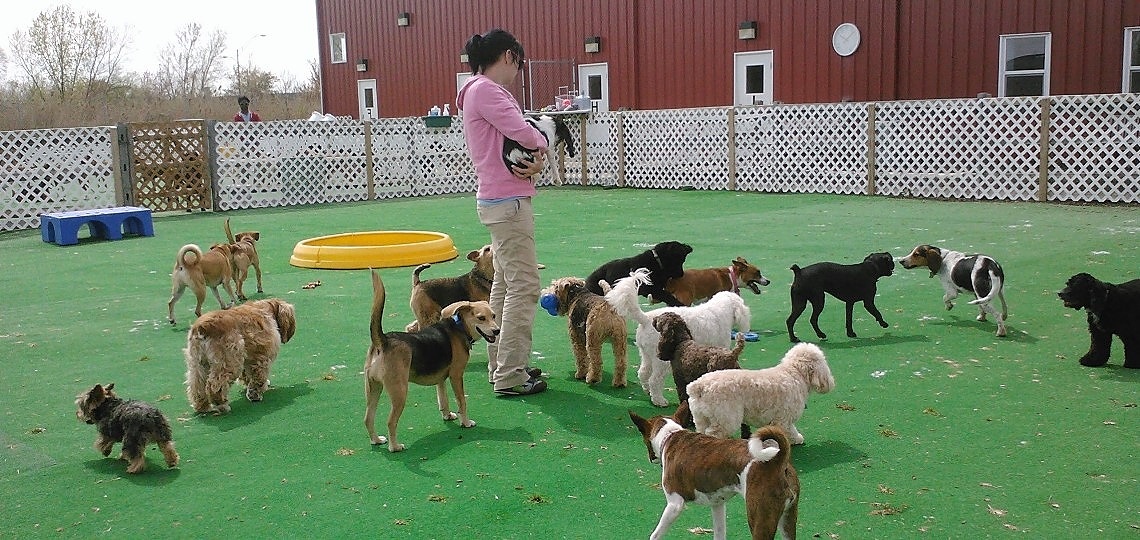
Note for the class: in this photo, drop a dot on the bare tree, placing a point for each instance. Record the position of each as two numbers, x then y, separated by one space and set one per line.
68 55
191 65
254 82
313 84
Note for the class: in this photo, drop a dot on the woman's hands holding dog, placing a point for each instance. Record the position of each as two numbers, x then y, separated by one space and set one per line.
534 167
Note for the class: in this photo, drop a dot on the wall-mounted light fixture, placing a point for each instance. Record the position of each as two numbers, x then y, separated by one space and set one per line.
404 19
593 44
746 30
362 64
463 58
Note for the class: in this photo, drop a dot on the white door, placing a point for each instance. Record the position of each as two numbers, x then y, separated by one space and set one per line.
594 79
752 78
367 98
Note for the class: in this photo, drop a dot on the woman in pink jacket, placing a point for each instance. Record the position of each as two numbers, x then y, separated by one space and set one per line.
490 116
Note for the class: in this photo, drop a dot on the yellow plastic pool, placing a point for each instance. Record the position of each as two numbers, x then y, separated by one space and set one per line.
373 249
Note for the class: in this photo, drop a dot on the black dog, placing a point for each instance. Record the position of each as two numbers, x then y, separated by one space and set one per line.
555 131
1112 309
133 423
664 262
848 282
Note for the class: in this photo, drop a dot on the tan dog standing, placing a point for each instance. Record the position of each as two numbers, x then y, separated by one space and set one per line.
701 284
590 322
431 295
244 247
198 270
437 352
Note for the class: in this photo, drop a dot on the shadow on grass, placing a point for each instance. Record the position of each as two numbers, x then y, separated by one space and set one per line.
822 455
874 341
243 412
1012 333
1117 372
419 451
156 473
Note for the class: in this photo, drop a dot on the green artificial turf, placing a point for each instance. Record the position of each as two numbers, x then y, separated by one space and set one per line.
936 427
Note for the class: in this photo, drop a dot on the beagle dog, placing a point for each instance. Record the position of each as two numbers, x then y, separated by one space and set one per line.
432 355
979 274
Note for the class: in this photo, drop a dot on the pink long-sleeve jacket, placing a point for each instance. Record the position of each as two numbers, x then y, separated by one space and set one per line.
490 115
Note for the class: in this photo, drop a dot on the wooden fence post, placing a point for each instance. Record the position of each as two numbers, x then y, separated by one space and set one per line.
369 173
732 148
620 118
1043 165
582 148
872 166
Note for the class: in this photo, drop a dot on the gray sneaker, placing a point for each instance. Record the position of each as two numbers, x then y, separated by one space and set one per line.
533 385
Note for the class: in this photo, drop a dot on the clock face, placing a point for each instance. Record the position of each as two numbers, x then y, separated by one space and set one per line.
845 39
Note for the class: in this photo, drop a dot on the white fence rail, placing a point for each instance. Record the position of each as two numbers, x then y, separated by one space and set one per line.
1061 148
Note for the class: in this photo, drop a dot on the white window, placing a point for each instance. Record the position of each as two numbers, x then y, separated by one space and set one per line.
1131 60
337 49
1024 65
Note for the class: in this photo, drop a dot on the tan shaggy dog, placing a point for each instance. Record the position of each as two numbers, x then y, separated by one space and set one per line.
701 284
431 295
591 321
431 356
244 247
232 345
198 270
706 470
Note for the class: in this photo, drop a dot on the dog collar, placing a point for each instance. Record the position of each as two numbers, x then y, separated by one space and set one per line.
459 324
656 258
732 279
482 278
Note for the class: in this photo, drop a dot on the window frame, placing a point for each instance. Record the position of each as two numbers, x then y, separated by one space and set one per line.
333 39
1131 33
1004 75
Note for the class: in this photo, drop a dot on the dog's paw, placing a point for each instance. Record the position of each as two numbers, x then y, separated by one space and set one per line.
850 335
395 447
449 416
379 440
1093 361
883 324
949 306
467 423
659 402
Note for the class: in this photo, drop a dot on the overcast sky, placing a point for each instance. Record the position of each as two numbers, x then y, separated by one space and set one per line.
290 28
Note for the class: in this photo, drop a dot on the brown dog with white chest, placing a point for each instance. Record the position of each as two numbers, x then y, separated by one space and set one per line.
701 284
431 295
244 246
701 469
431 356
198 270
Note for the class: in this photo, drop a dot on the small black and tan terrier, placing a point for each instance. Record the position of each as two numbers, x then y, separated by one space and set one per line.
133 423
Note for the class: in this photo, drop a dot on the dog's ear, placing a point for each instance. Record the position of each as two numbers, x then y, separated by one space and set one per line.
286 319
683 415
473 255
933 258
1098 295
451 309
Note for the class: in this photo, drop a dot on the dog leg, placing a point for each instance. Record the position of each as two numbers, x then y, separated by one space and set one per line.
1131 352
657 372
798 307
849 307
168 453
372 391
949 297
620 362
673 506
869 305
794 434
257 270
461 401
134 449
103 445
581 357
443 402
789 518
398 395
720 522
816 309
763 512
645 376
200 295
1100 346
175 294
593 352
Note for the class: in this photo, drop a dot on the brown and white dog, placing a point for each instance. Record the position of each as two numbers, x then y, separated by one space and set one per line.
198 270
244 246
979 274
705 470
237 344
432 355
431 295
700 284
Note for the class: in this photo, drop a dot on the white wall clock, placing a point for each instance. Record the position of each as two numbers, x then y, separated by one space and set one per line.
845 39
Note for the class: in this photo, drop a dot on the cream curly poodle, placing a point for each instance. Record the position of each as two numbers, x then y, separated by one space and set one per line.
721 400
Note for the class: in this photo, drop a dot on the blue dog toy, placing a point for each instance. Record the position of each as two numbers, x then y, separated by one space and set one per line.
550 303
748 336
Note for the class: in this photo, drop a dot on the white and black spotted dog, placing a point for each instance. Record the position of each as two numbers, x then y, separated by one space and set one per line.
555 132
959 272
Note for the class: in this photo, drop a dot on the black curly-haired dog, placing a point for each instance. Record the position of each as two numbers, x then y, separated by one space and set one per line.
1112 309
848 282
664 261
133 423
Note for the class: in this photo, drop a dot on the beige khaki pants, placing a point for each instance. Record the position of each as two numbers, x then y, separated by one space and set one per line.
514 293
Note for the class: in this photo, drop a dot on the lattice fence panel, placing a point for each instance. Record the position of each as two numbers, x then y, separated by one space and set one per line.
802 148
170 167
959 148
264 164
676 147
420 160
601 150
1094 148
55 170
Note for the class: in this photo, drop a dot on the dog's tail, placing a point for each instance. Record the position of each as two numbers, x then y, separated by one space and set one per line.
416 273
795 269
189 255
229 234
995 290
623 296
376 326
771 445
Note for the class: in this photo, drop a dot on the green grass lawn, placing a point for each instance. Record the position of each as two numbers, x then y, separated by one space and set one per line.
936 427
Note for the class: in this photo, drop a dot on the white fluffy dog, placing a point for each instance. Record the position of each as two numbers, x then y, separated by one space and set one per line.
711 323
722 400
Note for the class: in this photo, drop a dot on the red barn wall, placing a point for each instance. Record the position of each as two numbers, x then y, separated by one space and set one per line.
678 53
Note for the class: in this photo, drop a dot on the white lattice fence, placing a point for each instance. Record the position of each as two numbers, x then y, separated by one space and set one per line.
1094 148
436 158
289 163
676 147
601 152
803 148
960 148
53 170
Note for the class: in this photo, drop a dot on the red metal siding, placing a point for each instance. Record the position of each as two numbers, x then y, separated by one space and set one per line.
679 53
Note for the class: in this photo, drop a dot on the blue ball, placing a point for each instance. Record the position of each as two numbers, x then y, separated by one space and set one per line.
550 303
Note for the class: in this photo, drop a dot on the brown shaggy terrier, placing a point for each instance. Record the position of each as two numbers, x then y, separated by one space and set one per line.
133 423
591 321
690 359
236 344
